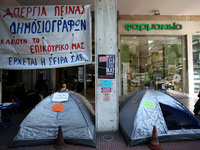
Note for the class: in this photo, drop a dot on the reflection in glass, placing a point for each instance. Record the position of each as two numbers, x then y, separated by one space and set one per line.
196 62
154 62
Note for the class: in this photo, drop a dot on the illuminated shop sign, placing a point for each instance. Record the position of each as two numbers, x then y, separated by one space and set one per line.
149 27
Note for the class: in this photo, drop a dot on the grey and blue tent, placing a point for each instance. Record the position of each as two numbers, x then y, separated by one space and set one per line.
143 109
40 127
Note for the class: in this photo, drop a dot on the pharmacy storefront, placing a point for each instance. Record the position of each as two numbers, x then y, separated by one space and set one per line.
161 55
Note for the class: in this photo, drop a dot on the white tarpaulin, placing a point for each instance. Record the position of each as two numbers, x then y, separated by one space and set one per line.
34 37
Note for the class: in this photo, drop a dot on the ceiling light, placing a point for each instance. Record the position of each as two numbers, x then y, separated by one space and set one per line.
156 12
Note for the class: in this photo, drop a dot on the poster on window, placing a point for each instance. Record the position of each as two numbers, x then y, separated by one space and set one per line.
172 69
53 36
106 66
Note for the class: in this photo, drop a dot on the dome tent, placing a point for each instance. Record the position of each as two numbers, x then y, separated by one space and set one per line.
143 109
40 127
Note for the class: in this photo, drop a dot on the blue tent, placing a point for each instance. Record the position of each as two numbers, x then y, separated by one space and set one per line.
143 109
40 127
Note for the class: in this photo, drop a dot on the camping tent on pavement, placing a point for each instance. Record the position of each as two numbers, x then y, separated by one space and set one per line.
143 109
40 127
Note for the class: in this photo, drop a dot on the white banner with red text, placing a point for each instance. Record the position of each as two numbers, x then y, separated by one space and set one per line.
36 37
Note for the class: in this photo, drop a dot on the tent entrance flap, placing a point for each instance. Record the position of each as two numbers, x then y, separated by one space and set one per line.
177 118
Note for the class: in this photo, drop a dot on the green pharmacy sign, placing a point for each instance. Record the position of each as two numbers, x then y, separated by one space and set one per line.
149 27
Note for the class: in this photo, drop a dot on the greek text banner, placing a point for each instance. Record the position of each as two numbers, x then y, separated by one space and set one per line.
34 37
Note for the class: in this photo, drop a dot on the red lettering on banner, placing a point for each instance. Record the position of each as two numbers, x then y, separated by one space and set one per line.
31 49
43 49
77 10
8 13
48 48
43 11
13 41
16 12
71 10
83 11
29 10
78 45
2 41
33 14
63 10
8 42
21 12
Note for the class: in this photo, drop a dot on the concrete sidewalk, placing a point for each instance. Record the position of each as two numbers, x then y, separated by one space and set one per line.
105 140
117 142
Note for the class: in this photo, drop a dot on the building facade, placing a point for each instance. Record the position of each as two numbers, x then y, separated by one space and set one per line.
150 52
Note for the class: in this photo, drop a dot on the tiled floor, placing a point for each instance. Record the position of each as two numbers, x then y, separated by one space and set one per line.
117 141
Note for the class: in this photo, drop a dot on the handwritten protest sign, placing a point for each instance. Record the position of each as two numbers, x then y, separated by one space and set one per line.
60 97
58 107
148 104
34 37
